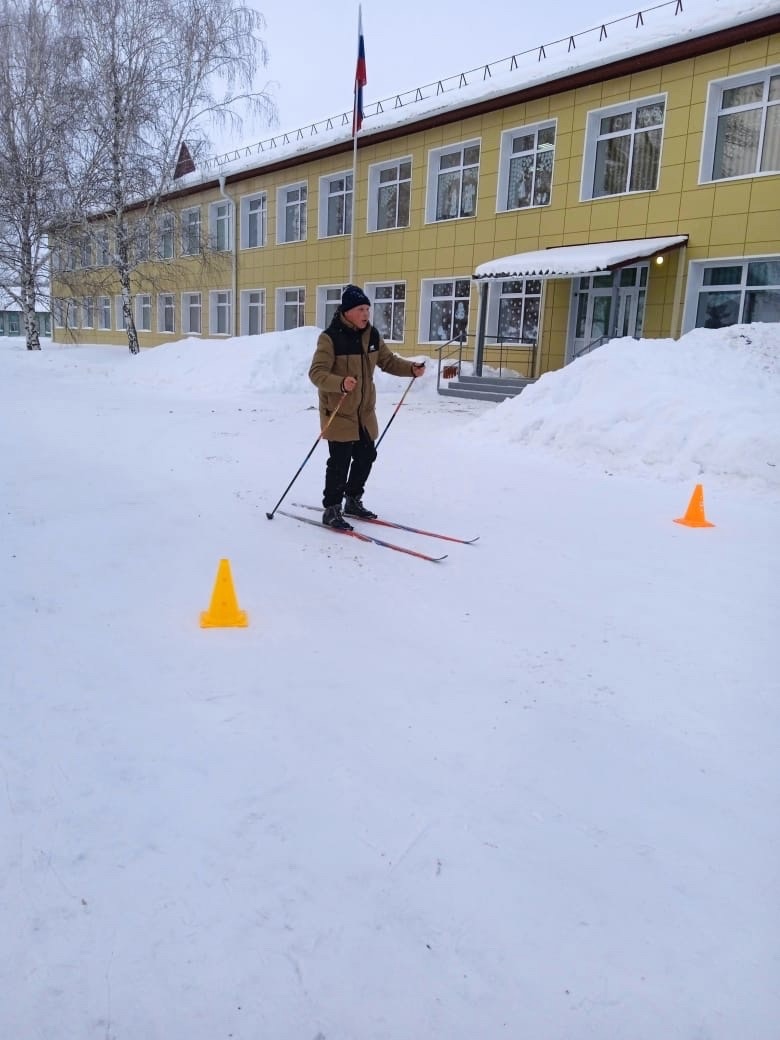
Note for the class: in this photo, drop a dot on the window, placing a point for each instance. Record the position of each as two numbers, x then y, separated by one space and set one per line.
220 214
104 312
623 148
742 126
336 205
140 236
328 302
86 250
445 309
220 311
514 307
526 167
190 312
291 216
389 195
165 230
252 312
453 176
254 220
121 320
166 311
143 312
190 232
103 248
64 313
88 312
389 310
735 291
290 308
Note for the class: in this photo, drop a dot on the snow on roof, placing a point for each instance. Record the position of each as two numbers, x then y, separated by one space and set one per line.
567 261
637 32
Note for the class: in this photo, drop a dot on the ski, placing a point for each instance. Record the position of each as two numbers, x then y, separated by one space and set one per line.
398 526
363 537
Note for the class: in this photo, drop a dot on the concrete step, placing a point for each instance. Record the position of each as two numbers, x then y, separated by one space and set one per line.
484 388
474 393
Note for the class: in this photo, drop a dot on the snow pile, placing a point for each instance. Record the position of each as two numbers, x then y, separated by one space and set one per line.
704 405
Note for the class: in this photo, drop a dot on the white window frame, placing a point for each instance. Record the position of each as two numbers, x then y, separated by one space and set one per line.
119 315
191 304
696 287
103 247
335 186
376 184
397 302
190 228
166 236
104 313
507 155
427 299
220 312
143 312
250 305
593 136
166 303
436 172
283 304
713 112
141 240
283 203
254 209
88 312
529 300
221 225
86 259
327 303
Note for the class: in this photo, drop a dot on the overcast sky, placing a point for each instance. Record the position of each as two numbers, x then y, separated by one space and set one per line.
313 48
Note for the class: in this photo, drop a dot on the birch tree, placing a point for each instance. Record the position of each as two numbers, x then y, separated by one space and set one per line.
38 102
156 74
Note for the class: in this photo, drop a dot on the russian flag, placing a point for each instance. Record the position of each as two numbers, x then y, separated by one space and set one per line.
360 77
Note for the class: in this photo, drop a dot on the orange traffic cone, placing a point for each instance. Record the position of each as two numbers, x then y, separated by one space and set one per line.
223 611
694 514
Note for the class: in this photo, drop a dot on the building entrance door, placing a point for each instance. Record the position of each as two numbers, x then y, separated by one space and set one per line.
591 314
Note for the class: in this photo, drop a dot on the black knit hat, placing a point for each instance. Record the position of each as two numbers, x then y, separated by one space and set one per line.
353 296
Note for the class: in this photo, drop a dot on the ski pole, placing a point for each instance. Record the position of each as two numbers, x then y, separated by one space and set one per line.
397 407
311 452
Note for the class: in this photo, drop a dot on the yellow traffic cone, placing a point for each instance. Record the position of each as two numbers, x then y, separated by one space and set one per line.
223 611
694 514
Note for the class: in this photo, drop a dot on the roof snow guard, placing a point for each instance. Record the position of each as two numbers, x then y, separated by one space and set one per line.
570 261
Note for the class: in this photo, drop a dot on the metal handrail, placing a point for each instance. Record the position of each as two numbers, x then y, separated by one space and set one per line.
460 340
594 343
500 343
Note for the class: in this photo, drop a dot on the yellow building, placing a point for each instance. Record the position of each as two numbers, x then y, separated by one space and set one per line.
623 182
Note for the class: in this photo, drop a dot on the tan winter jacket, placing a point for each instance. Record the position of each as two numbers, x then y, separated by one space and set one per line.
343 350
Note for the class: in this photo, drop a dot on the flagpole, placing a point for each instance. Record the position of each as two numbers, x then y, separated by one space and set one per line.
357 122
354 211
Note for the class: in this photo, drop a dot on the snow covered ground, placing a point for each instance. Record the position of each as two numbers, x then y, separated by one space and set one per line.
530 792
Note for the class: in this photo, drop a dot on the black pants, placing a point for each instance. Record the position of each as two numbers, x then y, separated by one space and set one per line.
347 469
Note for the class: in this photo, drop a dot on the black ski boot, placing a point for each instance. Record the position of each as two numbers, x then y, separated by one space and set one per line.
332 518
353 506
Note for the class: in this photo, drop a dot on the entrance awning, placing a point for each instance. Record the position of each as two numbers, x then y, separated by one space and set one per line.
571 261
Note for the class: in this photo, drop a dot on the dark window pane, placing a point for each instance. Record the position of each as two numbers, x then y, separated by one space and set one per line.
722 276
716 310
